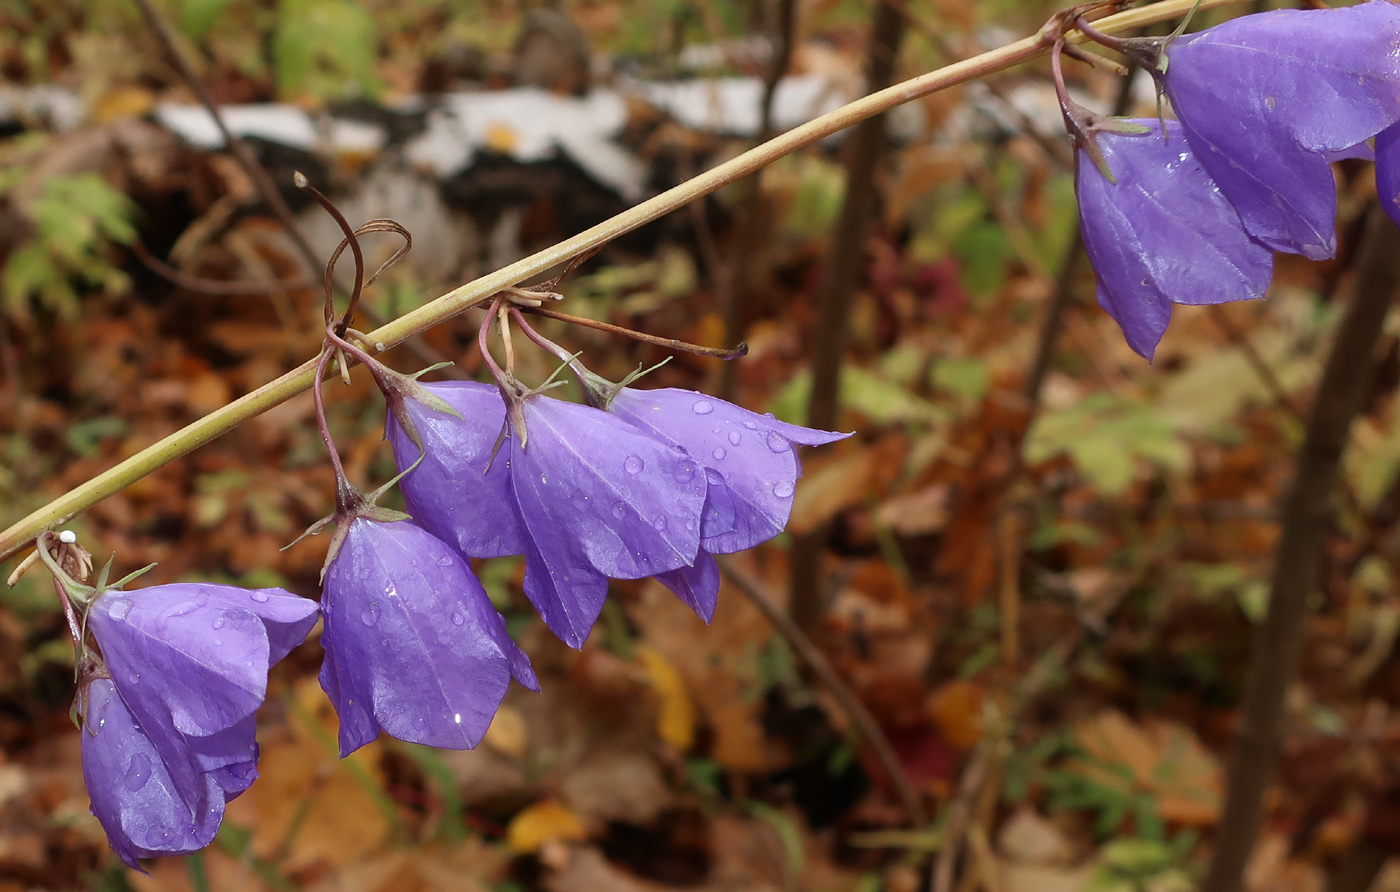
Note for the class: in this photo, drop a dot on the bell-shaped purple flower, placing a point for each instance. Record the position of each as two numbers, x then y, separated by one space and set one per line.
169 710
1265 98
587 497
413 643
190 661
1388 171
1162 232
133 792
751 470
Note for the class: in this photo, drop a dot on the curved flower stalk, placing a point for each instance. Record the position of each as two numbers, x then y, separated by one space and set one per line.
413 643
585 497
1161 232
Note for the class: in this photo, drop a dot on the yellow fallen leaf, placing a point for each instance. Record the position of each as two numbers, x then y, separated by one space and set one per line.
675 723
507 734
123 102
501 139
542 823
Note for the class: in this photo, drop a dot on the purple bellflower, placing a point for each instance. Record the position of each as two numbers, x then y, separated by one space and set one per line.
413 644
1266 99
1388 171
750 464
169 707
584 495
1161 231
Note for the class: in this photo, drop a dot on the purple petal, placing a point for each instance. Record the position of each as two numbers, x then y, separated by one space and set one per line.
750 460
697 586
182 646
1262 97
1388 170
598 498
1162 234
133 795
451 492
288 618
413 644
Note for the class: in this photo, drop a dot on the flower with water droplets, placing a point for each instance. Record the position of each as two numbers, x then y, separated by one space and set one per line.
1265 100
413 644
750 464
168 704
1160 232
584 495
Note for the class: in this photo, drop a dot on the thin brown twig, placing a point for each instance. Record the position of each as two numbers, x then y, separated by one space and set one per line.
859 715
1306 521
190 282
668 343
267 190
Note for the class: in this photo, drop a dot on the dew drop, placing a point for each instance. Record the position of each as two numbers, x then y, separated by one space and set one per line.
660 523
218 642
390 591
690 523
248 663
370 615
783 490
677 448
685 473
544 481
703 407
750 425
258 595
719 453
633 465
136 678
458 619
777 442
1270 103
120 608
618 510
138 771
735 438
457 717
218 622
444 560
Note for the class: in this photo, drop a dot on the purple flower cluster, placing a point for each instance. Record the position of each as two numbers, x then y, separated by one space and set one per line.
651 485
168 708
1192 213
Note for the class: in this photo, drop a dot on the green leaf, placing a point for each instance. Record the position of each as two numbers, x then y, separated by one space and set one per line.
197 17
327 49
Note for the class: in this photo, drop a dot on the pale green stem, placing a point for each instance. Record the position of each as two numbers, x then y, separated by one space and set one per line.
475 292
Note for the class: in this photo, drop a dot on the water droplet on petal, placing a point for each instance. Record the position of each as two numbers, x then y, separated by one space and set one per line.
719 453
370 615
544 481
218 622
136 678
138 771
735 438
777 442
713 477
783 490
703 407
750 425
660 523
218 642
444 560
258 595
390 591
458 619
685 473
677 448
618 510
457 717
633 465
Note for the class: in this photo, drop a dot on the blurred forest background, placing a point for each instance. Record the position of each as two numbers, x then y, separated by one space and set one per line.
1022 595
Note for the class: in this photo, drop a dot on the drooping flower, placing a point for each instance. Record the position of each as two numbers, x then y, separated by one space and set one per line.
413 643
1388 171
584 495
169 708
1265 98
133 791
190 661
751 469
1162 232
